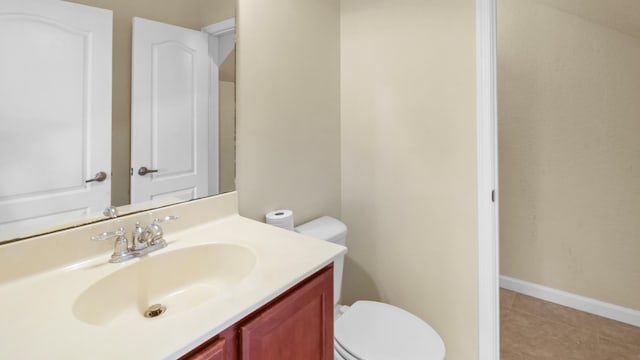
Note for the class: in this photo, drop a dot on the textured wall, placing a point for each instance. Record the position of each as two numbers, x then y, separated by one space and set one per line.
409 161
569 153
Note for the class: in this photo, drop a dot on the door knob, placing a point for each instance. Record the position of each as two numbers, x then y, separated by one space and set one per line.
144 171
101 176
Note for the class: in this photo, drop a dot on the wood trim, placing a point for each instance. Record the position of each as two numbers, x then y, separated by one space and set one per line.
213 351
220 347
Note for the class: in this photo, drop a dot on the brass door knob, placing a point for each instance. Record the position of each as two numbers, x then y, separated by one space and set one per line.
144 171
101 176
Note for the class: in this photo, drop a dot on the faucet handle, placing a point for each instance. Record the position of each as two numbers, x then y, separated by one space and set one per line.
155 232
138 242
121 250
111 212
108 235
157 221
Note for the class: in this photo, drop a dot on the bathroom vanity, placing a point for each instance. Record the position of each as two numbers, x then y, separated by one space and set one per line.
233 288
296 325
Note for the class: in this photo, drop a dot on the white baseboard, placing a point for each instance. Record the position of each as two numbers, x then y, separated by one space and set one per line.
578 302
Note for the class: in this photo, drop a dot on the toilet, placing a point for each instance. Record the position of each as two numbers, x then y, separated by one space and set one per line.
370 330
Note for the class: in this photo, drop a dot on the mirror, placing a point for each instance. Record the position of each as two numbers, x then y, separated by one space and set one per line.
190 14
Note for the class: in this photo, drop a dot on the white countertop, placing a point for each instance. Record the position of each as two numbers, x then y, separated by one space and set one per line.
36 314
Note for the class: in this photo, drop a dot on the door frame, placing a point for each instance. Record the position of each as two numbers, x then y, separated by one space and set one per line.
221 36
487 177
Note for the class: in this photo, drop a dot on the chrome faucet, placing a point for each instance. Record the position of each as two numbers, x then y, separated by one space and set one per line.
153 233
144 240
137 241
121 251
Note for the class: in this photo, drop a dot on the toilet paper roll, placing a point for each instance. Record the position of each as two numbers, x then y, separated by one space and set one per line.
280 218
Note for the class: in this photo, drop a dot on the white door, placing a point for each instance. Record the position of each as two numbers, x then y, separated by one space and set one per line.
55 112
169 112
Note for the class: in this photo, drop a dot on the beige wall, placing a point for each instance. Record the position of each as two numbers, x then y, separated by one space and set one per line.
227 135
288 116
213 11
405 136
569 153
409 161
186 13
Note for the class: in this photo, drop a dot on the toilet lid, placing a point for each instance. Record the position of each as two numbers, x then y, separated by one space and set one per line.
371 330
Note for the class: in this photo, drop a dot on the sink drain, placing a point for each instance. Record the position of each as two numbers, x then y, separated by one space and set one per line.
155 310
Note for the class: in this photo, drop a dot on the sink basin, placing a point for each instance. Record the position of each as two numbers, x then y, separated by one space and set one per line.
179 280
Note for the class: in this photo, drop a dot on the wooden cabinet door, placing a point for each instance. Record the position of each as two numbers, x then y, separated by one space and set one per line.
220 347
213 351
299 326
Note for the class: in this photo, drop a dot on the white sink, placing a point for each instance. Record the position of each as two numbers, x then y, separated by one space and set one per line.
180 280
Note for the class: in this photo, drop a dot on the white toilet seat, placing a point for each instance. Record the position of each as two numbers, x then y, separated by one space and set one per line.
372 330
339 353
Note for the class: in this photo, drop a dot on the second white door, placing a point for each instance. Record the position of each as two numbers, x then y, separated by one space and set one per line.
169 112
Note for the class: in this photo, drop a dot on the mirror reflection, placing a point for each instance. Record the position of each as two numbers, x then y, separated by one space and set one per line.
112 103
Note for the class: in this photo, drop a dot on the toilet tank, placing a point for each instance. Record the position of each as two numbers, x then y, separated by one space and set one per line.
333 230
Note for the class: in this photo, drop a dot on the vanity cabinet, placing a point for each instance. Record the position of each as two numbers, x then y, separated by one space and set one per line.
215 350
296 325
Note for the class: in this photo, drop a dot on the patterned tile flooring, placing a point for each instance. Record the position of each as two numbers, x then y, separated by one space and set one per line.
533 329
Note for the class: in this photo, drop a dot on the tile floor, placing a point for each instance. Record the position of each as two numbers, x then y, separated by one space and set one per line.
533 329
